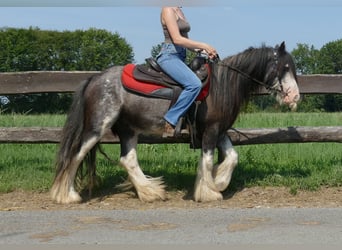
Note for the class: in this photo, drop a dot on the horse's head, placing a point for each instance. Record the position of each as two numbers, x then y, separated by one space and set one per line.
282 79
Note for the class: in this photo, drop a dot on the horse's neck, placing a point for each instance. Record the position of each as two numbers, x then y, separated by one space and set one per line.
255 61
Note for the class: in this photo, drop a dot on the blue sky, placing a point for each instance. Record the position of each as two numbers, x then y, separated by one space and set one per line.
229 26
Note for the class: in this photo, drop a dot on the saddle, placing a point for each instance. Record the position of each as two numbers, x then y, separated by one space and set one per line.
150 81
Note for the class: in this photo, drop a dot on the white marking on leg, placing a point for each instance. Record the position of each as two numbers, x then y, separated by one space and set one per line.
64 191
205 189
86 147
222 173
148 189
107 123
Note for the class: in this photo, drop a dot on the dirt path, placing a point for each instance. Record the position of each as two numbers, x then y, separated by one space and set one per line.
246 198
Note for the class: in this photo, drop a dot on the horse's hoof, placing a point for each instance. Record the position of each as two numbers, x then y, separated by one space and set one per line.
153 191
205 194
152 195
71 197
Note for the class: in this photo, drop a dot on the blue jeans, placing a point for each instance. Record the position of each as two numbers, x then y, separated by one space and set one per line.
171 59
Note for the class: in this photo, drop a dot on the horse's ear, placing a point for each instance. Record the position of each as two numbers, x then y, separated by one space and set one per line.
281 48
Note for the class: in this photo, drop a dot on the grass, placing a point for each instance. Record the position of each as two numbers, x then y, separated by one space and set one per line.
297 166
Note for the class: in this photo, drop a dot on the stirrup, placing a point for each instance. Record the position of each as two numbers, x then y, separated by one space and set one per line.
179 130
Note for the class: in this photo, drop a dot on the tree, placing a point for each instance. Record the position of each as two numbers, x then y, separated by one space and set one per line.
35 50
305 58
327 60
330 62
330 58
156 49
100 49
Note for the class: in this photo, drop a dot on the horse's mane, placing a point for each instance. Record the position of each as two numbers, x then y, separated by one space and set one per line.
229 89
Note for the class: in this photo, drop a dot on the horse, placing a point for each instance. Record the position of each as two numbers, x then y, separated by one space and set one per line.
102 104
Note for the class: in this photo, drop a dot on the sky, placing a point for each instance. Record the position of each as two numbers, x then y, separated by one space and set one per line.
228 25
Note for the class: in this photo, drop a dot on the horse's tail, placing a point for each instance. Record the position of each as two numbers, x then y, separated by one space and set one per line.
71 138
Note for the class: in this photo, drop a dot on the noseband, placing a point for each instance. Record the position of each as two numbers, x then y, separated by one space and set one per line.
271 88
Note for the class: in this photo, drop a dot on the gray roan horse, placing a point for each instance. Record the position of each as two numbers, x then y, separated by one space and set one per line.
103 104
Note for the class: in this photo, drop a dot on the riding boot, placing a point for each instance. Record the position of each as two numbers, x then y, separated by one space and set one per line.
169 130
178 131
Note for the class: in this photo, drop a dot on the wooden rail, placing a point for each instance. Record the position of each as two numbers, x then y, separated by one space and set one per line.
65 82
238 136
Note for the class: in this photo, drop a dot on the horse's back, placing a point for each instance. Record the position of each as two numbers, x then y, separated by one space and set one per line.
106 98
105 85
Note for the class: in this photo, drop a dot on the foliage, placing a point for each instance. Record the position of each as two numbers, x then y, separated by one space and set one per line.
305 59
35 49
330 58
155 50
40 50
189 55
327 60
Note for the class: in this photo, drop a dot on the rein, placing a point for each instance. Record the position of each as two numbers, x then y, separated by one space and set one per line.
244 74
269 88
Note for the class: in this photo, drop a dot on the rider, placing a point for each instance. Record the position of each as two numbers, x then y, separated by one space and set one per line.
172 60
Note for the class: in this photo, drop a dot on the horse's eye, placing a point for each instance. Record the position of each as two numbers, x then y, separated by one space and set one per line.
286 67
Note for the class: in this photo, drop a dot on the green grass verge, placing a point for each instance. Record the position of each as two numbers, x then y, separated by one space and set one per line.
297 166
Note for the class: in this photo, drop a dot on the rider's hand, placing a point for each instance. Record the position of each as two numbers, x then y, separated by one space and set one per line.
212 54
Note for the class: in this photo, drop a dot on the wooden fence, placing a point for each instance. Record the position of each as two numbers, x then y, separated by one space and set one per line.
64 82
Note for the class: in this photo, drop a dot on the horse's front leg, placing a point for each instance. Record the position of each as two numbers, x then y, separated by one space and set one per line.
148 189
205 188
228 159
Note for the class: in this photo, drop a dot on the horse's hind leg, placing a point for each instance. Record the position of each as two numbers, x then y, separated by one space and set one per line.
148 189
228 159
63 190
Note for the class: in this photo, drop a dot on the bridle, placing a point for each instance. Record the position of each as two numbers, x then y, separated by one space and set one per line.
271 88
